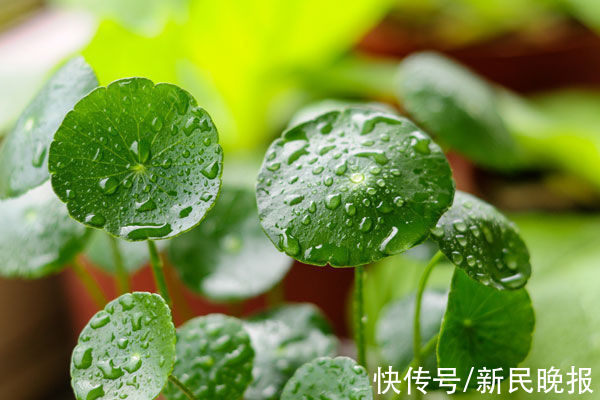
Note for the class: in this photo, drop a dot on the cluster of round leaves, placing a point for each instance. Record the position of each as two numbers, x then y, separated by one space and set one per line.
130 350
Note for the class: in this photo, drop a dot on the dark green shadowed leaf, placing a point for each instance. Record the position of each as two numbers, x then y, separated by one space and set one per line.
134 254
352 186
37 236
394 332
23 154
126 350
484 327
482 241
228 257
325 378
141 161
284 339
457 106
214 359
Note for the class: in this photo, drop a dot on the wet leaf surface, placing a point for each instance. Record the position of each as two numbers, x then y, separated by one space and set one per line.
228 257
141 161
126 351
214 359
350 187
24 152
479 239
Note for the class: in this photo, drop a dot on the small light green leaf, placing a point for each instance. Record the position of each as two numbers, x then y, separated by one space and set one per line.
126 350
285 338
141 161
37 237
482 241
457 106
134 254
228 257
484 327
352 186
214 359
395 328
23 155
329 378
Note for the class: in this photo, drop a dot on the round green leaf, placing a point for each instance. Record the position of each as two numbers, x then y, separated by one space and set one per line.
134 254
478 238
23 155
352 186
37 237
214 359
313 110
394 331
484 327
126 350
339 378
457 106
284 339
228 257
141 161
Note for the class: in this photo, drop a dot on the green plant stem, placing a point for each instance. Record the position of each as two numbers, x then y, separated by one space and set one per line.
159 274
90 284
359 315
122 275
425 350
418 358
188 393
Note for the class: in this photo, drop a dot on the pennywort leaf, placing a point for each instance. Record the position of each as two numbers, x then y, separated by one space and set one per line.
478 238
484 327
352 186
139 160
214 359
37 237
126 350
456 106
329 378
228 257
284 338
24 152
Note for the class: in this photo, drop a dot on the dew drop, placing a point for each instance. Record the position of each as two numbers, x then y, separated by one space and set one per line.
95 220
357 177
289 244
109 371
437 231
109 185
398 201
82 357
350 209
460 226
133 364
365 224
211 171
333 201
457 258
100 319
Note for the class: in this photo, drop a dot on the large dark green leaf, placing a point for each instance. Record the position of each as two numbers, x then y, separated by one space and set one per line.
37 236
329 379
482 241
126 351
457 106
228 257
214 359
284 339
484 327
350 187
141 161
23 155
395 328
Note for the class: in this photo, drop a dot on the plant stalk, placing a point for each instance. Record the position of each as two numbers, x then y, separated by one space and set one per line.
159 274
90 284
188 393
121 273
359 315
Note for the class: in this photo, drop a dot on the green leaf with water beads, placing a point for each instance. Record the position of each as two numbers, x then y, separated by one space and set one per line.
135 254
394 331
141 161
457 106
284 338
352 186
329 379
214 359
313 110
37 237
484 327
23 155
478 238
228 257
126 350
